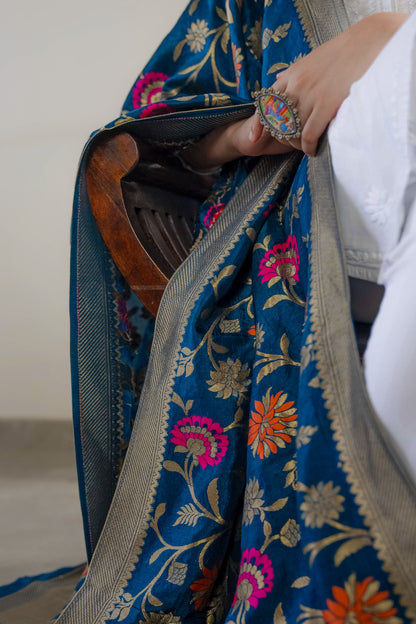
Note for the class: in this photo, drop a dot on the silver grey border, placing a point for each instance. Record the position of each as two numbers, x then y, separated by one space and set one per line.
383 490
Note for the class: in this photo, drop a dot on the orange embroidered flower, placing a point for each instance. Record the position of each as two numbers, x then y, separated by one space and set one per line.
237 58
203 587
272 425
360 603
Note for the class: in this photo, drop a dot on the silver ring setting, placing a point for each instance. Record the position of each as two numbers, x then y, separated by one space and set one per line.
278 114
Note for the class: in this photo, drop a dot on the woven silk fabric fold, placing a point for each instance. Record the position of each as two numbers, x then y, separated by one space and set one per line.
254 484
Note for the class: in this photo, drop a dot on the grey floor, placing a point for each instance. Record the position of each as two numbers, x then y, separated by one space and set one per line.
40 518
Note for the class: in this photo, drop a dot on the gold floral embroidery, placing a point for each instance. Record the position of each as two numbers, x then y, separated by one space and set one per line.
196 38
197 34
290 533
230 379
322 503
253 502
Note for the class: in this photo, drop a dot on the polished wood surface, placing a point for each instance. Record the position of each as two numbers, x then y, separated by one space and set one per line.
145 205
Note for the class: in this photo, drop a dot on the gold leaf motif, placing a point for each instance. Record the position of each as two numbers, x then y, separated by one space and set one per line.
277 505
160 510
278 617
238 415
178 50
188 406
189 515
267 529
219 99
290 478
290 465
221 14
302 581
193 7
224 40
251 233
173 467
212 493
155 602
267 35
156 554
219 348
281 32
269 368
178 401
349 548
310 616
277 67
226 272
272 301
304 435
284 344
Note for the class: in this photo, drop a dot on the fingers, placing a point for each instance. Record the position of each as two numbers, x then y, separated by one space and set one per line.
256 129
313 117
313 129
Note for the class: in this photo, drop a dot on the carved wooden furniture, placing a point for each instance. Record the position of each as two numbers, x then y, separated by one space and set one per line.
145 205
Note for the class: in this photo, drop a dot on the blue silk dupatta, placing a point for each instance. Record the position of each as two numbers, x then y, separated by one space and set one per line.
247 478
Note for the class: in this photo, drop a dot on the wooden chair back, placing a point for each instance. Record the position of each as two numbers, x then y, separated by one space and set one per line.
145 206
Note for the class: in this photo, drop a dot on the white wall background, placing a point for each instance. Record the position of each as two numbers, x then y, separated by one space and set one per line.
65 68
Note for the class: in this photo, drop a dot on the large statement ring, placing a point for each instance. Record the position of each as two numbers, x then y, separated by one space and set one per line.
277 113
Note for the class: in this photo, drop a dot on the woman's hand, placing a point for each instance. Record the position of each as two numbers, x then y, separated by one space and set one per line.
318 84
241 138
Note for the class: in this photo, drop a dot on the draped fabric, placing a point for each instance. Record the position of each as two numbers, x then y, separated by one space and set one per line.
231 467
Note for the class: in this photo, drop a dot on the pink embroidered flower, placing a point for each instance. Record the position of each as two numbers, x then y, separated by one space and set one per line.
200 437
156 109
148 90
255 580
281 262
212 215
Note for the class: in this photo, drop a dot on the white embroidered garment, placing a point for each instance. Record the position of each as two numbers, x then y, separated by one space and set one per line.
358 9
370 153
373 144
